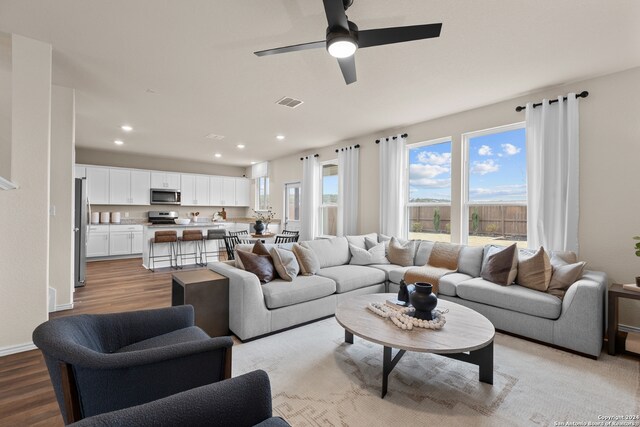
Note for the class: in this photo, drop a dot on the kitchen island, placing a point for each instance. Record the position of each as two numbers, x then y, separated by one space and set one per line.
231 224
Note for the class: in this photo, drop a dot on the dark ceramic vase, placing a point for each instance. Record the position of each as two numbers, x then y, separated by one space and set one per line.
423 300
259 227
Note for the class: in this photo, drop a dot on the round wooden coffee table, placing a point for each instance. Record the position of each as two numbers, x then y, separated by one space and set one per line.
467 335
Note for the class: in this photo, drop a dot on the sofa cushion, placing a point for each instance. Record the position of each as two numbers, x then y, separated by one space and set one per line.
534 271
401 253
307 260
470 260
373 255
286 263
330 252
564 275
444 255
387 268
448 283
397 274
423 252
280 293
500 265
515 298
350 277
260 265
192 333
359 241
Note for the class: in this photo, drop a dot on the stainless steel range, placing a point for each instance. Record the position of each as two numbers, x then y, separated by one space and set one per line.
163 217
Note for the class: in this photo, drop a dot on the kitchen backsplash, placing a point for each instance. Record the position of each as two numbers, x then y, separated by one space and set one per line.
140 213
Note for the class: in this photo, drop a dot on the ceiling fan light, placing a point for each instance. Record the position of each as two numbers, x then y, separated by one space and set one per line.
341 47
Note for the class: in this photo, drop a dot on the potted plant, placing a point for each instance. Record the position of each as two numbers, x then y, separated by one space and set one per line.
637 247
263 218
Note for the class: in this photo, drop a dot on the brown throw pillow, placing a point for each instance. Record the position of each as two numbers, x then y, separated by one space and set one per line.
286 263
307 259
501 266
401 254
564 275
260 265
444 255
534 272
258 248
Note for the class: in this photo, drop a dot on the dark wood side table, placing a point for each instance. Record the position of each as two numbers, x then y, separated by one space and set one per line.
616 291
208 293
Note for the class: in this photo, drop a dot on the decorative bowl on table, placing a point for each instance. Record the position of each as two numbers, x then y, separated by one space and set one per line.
182 221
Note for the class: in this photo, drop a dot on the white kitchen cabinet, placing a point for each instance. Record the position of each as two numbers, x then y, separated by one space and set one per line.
167 180
215 191
129 187
243 192
125 239
228 191
98 241
98 185
194 190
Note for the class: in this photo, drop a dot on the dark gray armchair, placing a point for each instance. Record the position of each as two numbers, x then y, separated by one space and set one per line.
238 402
105 362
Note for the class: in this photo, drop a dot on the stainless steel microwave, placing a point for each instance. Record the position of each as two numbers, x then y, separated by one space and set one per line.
162 196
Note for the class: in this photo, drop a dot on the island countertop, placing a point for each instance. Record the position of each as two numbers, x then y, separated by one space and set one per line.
210 223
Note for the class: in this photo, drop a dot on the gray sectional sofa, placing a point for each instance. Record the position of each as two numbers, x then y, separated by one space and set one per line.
575 322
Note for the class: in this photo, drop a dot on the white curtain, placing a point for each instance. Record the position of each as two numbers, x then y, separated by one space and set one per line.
392 186
348 191
309 198
552 174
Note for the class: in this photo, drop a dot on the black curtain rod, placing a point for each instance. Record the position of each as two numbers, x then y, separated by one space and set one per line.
404 135
315 155
348 148
582 94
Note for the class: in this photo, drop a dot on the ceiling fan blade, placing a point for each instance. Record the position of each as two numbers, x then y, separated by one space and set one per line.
293 48
336 16
348 68
382 36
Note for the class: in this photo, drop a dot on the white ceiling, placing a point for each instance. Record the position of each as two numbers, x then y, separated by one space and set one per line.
196 56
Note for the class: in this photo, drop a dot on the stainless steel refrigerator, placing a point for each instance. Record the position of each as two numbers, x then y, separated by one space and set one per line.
81 231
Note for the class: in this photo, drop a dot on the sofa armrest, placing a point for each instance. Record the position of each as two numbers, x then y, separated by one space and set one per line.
248 313
588 292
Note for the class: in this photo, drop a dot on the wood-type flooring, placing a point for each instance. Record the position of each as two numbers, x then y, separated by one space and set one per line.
26 393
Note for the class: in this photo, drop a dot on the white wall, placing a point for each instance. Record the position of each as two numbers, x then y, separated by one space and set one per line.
5 105
61 243
609 153
24 252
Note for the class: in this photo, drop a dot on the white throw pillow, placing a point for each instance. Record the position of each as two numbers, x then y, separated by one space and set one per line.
375 255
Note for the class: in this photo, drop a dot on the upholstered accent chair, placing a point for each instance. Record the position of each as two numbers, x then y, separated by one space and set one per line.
242 401
105 362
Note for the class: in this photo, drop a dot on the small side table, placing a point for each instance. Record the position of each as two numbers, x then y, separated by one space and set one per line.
616 291
208 293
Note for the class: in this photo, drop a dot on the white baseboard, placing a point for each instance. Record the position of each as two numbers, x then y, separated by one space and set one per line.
627 328
62 307
12 349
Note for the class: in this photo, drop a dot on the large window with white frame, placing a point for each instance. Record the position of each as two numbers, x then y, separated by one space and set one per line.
495 186
328 198
429 199
262 193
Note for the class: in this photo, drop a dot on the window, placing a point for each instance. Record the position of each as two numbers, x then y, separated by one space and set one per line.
429 198
329 198
495 187
262 193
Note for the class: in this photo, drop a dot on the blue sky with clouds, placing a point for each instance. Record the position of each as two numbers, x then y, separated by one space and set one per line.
497 165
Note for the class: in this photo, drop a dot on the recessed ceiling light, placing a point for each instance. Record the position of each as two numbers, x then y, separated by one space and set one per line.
253 163
118 142
241 146
126 128
280 137
217 155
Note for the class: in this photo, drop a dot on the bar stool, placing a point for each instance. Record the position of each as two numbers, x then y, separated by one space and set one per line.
161 238
194 236
218 236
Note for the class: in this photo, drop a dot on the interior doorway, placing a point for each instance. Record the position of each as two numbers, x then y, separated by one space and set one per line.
292 206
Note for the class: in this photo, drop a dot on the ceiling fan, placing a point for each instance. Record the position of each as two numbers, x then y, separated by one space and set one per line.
343 37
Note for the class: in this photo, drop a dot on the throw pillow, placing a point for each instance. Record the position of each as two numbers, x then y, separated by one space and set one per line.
257 248
369 243
401 254
260 265
359 241
444 255
285 263
534 271
564 275
501 265
375 255
307 259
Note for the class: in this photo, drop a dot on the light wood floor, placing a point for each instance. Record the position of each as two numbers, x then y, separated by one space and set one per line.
26 394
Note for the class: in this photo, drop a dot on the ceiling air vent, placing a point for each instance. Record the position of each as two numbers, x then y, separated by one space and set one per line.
214 136
289 102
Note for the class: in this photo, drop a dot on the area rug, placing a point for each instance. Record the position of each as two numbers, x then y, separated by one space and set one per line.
319 380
